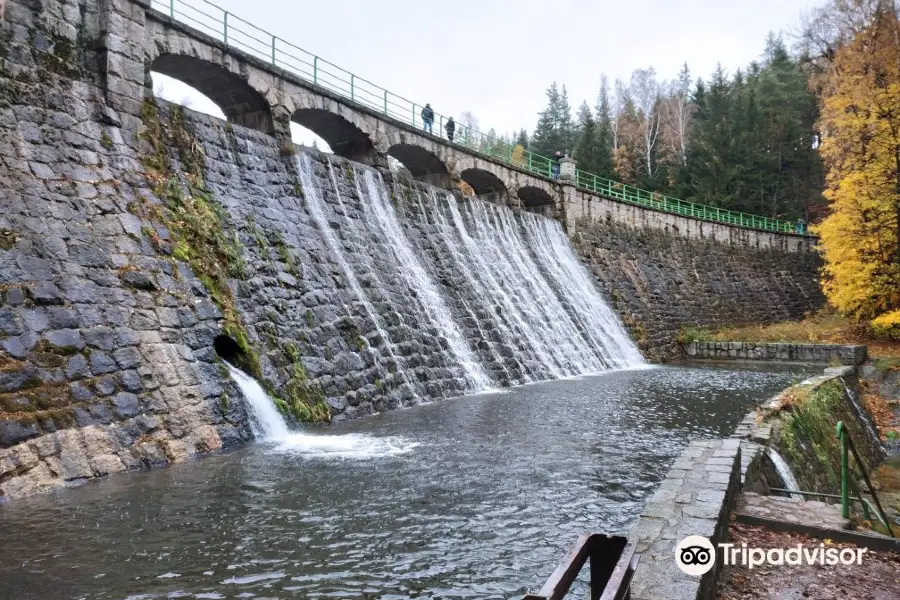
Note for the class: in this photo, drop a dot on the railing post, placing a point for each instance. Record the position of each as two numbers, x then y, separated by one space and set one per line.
172 8
273 50
315 69
352 86
385 102
845 484
225 23
414 114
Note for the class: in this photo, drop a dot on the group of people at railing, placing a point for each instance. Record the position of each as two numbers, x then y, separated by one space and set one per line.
428 122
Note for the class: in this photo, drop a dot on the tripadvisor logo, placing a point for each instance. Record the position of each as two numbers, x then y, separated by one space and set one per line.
696 555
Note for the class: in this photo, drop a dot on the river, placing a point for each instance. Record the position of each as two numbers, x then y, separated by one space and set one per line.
475 497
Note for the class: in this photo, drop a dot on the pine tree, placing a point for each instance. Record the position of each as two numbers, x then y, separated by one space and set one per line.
566 126
522 139
603 135
585 152
711 167
555 131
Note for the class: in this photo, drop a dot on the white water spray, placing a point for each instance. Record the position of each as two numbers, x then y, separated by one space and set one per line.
784 471
417 278
266 422
268 425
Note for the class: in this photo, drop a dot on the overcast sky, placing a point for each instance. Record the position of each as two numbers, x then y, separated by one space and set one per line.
496 58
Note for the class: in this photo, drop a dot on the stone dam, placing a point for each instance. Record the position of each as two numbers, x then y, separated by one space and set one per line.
141 242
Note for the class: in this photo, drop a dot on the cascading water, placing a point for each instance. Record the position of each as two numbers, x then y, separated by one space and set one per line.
266 422
417 277
315 206
268 425
784 471
458 296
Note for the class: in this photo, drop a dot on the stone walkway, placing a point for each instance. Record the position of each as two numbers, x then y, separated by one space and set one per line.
791 510
692 500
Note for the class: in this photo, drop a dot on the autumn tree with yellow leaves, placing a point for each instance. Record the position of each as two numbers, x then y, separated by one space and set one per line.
860 125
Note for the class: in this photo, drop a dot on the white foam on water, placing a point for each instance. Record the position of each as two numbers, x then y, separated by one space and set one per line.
254 578
348 445
268 425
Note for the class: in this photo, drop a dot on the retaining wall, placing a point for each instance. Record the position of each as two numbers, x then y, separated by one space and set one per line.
853 355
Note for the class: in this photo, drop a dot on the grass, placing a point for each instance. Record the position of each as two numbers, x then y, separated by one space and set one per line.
823 327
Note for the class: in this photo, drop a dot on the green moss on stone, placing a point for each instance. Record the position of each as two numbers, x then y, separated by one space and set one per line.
806 435
7 239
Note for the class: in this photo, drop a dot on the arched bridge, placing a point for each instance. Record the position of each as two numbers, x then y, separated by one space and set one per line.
264 83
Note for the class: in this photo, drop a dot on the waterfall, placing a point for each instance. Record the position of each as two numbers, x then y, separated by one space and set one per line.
863 417
266 422
437 312
784 471
315 205
458 295
268 425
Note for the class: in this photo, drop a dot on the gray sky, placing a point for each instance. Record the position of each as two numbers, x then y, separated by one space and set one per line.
497 57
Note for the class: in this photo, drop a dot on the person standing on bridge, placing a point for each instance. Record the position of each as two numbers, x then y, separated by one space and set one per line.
554 165
427 118
451 128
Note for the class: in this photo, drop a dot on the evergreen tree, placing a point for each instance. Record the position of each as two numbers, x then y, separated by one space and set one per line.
711 168
583 152
603 135
522 139
554 131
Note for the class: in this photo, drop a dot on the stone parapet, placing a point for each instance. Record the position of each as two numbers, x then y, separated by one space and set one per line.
853 355
695 498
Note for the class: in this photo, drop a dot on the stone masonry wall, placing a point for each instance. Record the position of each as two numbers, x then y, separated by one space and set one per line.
133 235
818 353
662 283
106 359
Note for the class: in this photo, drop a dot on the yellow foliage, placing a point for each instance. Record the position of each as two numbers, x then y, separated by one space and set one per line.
466 189
887 325
518 155
860 118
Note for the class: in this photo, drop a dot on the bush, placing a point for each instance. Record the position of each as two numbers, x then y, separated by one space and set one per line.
693 334
887 325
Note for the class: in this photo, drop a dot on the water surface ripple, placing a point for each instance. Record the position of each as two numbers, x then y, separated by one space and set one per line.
476 497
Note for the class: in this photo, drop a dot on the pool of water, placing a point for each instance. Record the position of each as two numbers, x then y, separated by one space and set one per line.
476 497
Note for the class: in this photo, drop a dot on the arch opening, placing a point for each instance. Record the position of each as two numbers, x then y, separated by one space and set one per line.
238 101
535 199
227 349
487 186
302 136
343 137
422 164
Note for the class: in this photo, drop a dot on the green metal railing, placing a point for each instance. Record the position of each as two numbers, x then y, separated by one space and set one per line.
847 480
246 37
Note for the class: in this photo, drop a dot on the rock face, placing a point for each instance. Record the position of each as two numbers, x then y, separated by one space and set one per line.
662 283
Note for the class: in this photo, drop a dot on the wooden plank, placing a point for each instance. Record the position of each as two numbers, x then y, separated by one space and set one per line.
565 573
619 585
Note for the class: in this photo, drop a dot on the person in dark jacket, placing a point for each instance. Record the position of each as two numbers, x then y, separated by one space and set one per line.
554 165
451 128
427 118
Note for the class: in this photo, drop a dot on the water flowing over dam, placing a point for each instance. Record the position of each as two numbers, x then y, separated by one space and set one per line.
503 294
